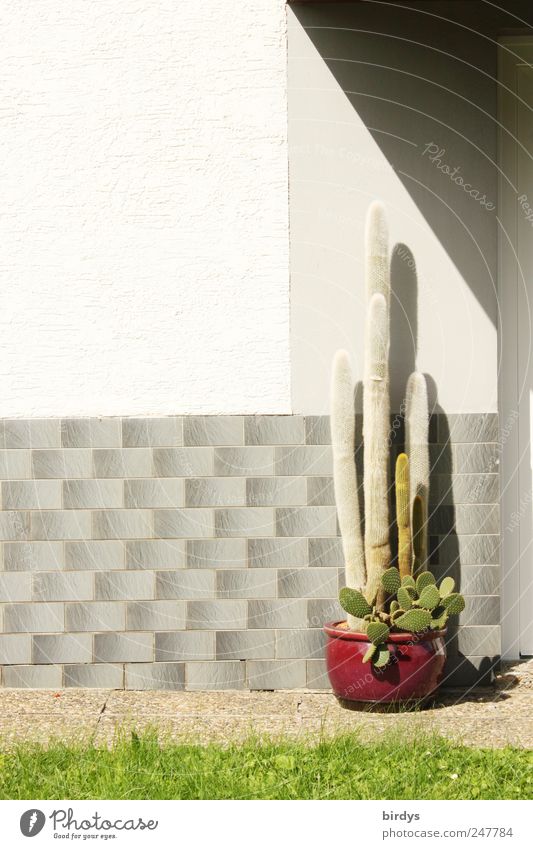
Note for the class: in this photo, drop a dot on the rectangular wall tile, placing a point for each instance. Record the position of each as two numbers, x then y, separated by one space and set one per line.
155 676
277 613
94 555
15 648
181 524
215 492
95 675
244 522
60 524
325 551
245 645
305 460
152 433
307 583
183 462
62 648
244 462
185 584
15 586
33 618
246 583
92 493
276 674
317 675
119 648
479 640
30 433
481 610
95 616
14 525
475 458
306 521
33 556
122 463
122 524
118 586
223 615
90 433
156 554
480 580
469 427
317 430
216 675
267 492
320 491
15 465
274 552
300 643
466 489
33 677
154 492
213 430
273 430
216 553
467 549
322 610
31 495
185 645
62 463
156 616
63 586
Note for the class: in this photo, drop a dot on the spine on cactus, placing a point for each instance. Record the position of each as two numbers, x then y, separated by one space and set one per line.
416 440
344 471
403 516
377 268
375 443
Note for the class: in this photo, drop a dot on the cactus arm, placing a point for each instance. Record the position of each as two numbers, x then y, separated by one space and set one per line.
416 439
375 443
403 516
344 472
377 269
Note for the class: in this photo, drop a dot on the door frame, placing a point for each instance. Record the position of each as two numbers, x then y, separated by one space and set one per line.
509 390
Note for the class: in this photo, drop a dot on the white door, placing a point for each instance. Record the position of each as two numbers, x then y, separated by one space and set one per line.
516 342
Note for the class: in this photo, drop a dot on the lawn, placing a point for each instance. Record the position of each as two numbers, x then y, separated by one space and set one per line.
338 768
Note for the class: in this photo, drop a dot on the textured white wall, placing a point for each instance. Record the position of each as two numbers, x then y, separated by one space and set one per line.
143 214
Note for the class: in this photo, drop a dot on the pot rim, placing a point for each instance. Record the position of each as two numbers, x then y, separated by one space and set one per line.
405 637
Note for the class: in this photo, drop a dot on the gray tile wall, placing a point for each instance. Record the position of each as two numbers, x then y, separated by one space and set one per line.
203 553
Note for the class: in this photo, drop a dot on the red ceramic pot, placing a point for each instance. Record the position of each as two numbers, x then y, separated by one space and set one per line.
415 671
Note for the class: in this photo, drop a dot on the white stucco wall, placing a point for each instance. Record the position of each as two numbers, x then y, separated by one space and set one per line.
143 213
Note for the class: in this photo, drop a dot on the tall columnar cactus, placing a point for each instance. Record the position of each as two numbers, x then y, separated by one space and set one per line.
368 562
403 516
416 441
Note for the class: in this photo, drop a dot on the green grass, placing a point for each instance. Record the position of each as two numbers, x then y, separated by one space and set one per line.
338 768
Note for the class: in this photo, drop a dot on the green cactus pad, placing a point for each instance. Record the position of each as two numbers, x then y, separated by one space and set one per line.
382 657
454 604
404 598
390 580
377 632
408 581
424 580
440 617
394 606
370 652
429 597
447 586
414 620
396 615
354 603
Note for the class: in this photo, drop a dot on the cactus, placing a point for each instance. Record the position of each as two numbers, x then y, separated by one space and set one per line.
409 581
403 516
419 535
424 580
404 598
354 603
345 475
414 620
447 586
390 580
416 440
377 632
429 597
370 652
382 658
453 603
439 618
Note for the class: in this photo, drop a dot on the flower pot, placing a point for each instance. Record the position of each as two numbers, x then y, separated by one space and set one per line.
414 673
